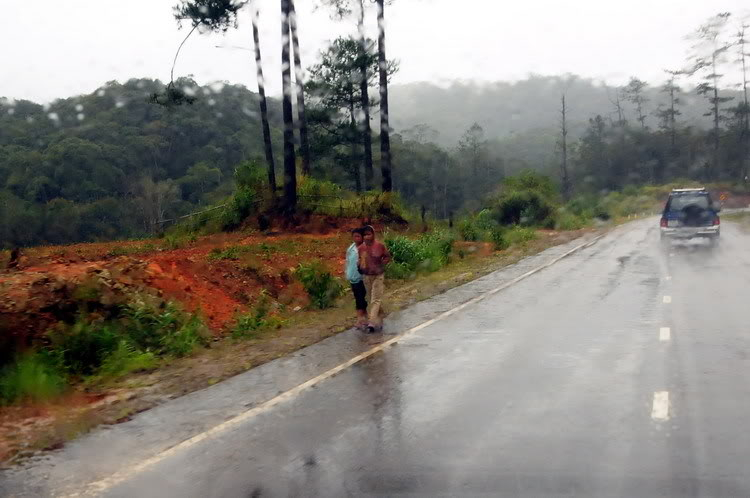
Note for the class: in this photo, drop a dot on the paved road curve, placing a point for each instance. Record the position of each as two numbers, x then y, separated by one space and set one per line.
619 371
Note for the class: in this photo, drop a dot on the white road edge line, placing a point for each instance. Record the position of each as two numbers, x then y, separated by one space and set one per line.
667 299
664 334
102 485
660 408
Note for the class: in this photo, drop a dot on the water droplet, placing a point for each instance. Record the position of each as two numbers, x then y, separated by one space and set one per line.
119 104
101 93
53 116
79 107
11 111
217 86
211 102
81 116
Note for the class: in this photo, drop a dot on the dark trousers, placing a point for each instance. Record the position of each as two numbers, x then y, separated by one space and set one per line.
360 293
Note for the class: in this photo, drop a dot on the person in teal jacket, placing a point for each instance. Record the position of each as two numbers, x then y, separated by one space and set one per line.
355 278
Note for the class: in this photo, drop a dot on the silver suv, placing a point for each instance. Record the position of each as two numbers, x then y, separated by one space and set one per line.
688 213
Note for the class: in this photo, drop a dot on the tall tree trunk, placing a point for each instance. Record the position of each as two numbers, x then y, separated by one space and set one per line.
564 165
290 168
267 145
298 77
385 137
354 166
364 95
746 115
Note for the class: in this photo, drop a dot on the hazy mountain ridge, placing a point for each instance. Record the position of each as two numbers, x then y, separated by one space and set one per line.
504 109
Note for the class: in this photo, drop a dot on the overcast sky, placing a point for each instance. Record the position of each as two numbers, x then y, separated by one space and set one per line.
59 48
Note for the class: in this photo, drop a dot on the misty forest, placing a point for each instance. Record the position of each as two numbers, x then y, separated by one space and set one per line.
131 157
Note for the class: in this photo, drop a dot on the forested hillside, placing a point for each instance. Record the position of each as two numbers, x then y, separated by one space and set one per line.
113 164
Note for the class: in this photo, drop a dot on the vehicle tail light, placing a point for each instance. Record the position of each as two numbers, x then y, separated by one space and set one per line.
717 221
663 223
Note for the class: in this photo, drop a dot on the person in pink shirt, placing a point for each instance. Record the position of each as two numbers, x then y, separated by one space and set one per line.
373 256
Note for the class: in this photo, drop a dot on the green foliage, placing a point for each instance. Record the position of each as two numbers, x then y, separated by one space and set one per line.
428 253
83 348
527 199
498 236
178 241
322 287
531 181
240 206
520 235
587 206
214 15
484 220
569 221
231 252
525 207
31 377
469 230
256 320
164 330
135 335
125 359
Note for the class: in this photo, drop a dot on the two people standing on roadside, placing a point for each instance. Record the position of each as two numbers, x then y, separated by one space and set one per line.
371 258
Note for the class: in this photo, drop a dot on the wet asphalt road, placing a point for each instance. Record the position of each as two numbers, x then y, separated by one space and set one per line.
619 371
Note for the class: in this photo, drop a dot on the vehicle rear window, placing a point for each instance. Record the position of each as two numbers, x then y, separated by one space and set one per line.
679 202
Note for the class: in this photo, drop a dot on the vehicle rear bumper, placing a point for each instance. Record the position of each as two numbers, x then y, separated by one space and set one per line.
690 232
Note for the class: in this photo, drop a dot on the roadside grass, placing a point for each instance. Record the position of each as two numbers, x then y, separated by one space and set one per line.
260 318
95 350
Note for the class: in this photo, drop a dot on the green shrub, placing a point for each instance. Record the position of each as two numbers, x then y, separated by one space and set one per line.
468 230
399 271
167 330
570 221
527 208
178 241
484 220
428 253
231 252
241 205
82 348
520 235
322 287
529 180
587 206
30 377
499 238
258 319
125 359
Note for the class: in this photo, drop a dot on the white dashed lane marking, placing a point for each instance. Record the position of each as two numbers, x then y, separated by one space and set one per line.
664 334
660 408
